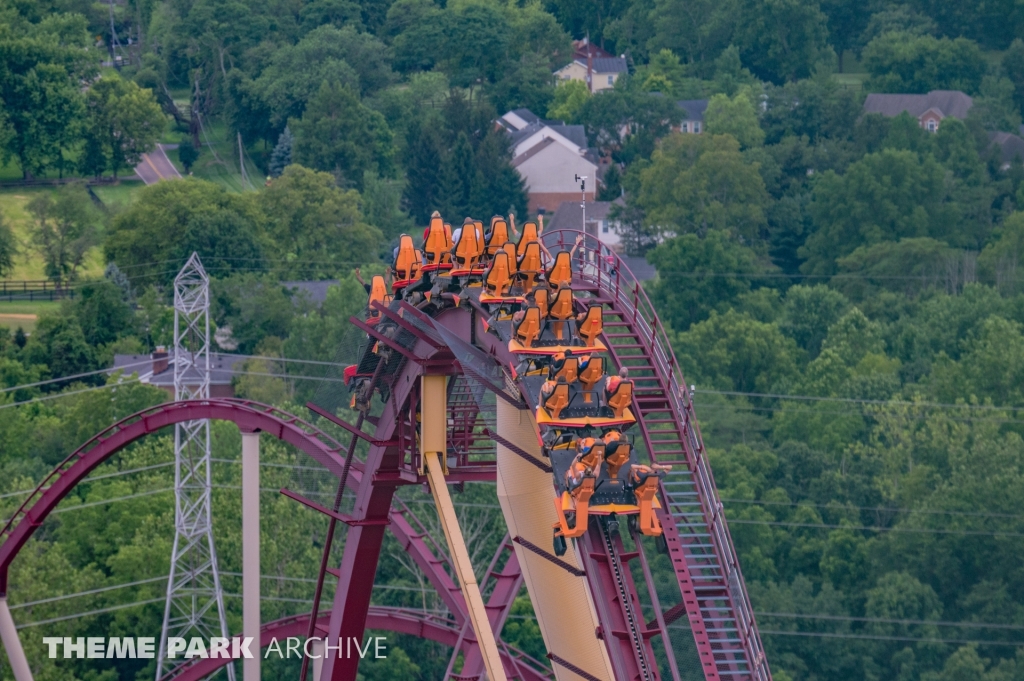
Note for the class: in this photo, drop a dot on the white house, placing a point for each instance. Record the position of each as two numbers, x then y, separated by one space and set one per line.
570 216
549 156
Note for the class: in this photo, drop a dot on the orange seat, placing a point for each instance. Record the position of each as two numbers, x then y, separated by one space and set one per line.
529 267
540 296
466 250
645 486
616 456
590 324
528 328
558 400
378 293
438 244
620 398
560 272
590 376
528 237
591 453
407 264
497 279
513 261
498 236
481 243
560 310
569 370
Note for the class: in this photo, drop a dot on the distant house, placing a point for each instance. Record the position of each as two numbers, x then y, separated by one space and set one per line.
158 370
929 109
1011 148
548 156
694 109
582 49
570 216
600 73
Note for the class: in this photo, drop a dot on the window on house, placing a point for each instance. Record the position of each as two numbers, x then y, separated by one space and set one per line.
611 80
932 125
604 226
685 127
696 126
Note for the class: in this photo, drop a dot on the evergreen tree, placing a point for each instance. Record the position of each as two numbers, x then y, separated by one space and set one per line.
187 154
612 188
281 157
423 159
454 183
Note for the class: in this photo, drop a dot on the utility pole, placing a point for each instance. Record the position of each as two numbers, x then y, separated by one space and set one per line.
582 179
195 599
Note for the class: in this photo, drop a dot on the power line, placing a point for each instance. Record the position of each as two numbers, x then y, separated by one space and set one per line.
72 377
68 394
979 514
98 611
869 637
854 400
869 528
884 620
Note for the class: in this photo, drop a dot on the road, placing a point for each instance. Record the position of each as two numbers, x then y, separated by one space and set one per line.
155 166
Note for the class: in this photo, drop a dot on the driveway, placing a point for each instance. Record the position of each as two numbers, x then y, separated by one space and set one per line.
155 166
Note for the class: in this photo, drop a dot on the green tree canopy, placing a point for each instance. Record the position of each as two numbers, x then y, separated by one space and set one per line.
904 62
734 116
124 120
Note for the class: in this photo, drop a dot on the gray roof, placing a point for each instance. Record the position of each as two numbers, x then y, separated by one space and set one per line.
638 265
569 215
222 368
608 65
532 151
947 102
1011 147
526 115
694 108
574 133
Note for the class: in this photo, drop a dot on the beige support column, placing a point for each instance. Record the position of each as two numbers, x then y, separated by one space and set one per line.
12 644
317 649
251 550
433 437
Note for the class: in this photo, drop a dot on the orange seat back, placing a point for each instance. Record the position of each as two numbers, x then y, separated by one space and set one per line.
529 328
617 456
438 244
528 237
466 249
561 305
541 296
529 265
498 236
513 261
378 293
620 399
496 277
591 326
590 376
407 264
561 271
570 369
481 244
594 457
558 400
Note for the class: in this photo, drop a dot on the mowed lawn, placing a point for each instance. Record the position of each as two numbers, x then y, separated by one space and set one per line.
24 313
28 264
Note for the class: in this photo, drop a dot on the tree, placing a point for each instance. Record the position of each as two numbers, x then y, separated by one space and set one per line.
8 247
103 313
66 227
124 120
699 183
424 148
885 196
689 287
317 228
808 312
696 31
569 98
904 62
847 20
340 135
281 158
781 40
1013 68
187 155
736 117
170 220
628 121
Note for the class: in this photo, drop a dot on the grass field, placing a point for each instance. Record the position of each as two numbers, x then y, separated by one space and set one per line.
28 264
118 195
24 314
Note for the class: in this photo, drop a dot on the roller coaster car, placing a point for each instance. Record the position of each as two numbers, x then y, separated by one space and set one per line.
584 487
467 250
563 405
437 246
406 267
498 236
560 271
529 236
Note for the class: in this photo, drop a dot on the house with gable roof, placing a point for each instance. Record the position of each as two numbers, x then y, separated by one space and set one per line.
929 109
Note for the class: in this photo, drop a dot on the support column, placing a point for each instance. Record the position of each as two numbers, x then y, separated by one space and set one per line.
317 649
12 644
433 441
251 549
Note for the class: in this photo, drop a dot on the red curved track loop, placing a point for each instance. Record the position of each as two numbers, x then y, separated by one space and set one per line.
713 593
399 620
250 416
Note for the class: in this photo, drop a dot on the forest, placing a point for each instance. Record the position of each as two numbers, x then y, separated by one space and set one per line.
841 288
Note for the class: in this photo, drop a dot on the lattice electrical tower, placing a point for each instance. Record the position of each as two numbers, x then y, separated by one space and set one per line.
195 599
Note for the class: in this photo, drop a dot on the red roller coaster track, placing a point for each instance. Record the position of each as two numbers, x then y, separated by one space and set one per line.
711 595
